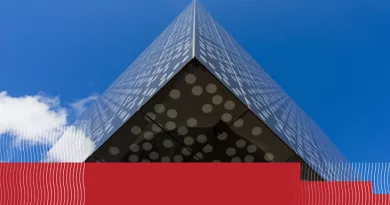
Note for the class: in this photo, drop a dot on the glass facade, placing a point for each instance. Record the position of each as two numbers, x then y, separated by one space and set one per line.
194 88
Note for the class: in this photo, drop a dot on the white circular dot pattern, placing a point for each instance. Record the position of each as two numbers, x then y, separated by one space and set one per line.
207 108
211 88
229 105
226 109
178 158
251 148
159 108
133 158
154 155
188 140
114 150
201 138
134 148
226 117
151 116
168 143
147 146
222 136
238 123
156 128
230 151
240 143
269 157
172 113
192 122
236 159
185 151
249 158
190 79
182 130
217 99
148 135
165 159
199 155
136 130
197 90
174 94
170 125
256 131
208 148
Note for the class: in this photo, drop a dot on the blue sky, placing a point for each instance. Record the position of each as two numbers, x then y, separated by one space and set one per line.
331 57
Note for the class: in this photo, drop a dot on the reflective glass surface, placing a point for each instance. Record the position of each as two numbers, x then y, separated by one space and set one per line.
193 118
235 68
142 88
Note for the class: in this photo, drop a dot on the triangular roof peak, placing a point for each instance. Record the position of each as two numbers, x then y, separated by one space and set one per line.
194 34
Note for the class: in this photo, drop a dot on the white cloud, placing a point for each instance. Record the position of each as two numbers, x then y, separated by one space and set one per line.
36 119
80 105
73 146
41 120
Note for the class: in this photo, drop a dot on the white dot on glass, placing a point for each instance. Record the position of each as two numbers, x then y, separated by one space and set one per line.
168 143
192 122
134 148
156 128
148 135
230 151
114 150
217 99
240 143
249 158
147 146
197 90
190 78
135 130
177 158
257 131
133 158
174 94
172 113
229 105
211 88
222 136
269 157
207 108
182 130
226 117
165 159
236 159
208 148
251 148
201 138
159 108
170 125
238 123
151 116
185 151
153 155
188 140
199 155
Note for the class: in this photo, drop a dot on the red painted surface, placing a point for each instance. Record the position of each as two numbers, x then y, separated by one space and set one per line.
173 183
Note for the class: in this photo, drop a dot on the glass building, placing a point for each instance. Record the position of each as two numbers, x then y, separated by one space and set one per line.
195 95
